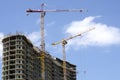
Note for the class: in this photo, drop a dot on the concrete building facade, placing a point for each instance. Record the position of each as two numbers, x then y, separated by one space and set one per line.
21 62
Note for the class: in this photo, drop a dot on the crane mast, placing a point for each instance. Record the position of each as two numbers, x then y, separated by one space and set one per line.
42 43
42 29
64 42
42 11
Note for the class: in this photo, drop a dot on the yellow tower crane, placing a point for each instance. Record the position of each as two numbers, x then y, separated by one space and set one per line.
64 42
43 12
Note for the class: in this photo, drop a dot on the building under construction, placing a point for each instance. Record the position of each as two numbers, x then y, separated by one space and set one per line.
21 61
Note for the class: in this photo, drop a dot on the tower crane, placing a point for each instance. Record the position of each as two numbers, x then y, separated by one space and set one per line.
64 42
43 12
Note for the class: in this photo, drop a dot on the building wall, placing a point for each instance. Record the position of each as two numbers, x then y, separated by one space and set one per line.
18 59
70 72
54 69
21 61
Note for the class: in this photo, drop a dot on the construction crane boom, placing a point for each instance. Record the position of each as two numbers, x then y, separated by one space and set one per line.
64 42
71 37
57 10
42 11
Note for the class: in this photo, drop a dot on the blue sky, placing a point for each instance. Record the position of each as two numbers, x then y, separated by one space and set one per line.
95 53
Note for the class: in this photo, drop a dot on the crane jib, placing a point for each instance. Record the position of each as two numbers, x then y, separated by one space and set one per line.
66 10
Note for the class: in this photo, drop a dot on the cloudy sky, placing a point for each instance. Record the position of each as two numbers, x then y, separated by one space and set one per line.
95 53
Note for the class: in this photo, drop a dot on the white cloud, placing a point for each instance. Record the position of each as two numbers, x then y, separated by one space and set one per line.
1 47
35 38
103 35
50 24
